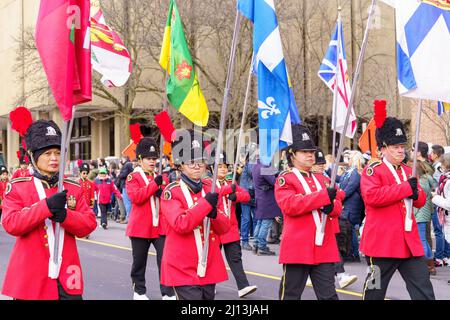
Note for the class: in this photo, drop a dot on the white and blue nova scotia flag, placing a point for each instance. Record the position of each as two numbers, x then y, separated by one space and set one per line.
275 108
423 46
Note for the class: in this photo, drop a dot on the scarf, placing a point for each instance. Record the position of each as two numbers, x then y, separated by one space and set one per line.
196 187
52 181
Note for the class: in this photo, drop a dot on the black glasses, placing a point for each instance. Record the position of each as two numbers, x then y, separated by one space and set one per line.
192 165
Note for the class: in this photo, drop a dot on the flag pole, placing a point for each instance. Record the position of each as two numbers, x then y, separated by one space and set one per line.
350 106
62 164
336 91
408 219
69 133
161 140
241 129
229 79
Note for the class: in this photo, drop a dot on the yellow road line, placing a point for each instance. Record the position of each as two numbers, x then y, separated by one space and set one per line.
256 274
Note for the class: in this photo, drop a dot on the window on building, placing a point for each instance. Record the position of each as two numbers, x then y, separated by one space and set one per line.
80 142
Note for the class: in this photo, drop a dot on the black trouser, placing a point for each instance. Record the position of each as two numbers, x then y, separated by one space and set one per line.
104 211
206 292
344 237
295 276
233 254
140 248
63 295
414 272
339 266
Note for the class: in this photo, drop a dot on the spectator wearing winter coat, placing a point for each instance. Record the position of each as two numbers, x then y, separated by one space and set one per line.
437 152
442 245
121 180
423 215
264 178
104 187
353 211
93 170
441 198
248 221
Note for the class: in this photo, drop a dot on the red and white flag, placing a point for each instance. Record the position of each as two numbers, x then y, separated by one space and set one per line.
330 75
110 57
63 42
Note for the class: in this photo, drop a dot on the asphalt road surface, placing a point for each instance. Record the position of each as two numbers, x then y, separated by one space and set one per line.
106 262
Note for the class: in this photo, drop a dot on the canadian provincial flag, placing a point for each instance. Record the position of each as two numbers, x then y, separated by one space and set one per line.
109 56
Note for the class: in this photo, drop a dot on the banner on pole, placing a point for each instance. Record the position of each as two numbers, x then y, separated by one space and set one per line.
423 40
63 42
274 92
328 74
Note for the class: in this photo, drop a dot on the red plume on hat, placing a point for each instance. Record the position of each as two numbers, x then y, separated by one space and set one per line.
165 125
21 120
135 132
79 163
379 112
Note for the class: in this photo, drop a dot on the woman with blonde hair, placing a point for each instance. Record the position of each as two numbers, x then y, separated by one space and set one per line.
423 215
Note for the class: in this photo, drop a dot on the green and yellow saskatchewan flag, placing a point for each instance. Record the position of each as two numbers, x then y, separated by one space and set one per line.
182 88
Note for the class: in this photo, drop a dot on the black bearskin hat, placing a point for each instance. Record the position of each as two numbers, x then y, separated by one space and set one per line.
320 157
41 136
188 146
301 139
392 132
3 169
147 148
85 167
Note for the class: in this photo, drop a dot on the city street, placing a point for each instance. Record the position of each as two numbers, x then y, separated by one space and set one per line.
106 261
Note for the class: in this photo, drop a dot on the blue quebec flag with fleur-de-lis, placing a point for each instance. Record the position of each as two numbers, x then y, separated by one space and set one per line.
276 103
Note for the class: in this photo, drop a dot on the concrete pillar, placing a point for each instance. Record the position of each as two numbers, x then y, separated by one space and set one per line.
95 139
99 139
121 132
56 116
104 138
12 147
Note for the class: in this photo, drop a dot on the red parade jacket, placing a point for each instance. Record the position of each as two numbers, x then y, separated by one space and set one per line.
21 173
384 233
140 223
180 257
24 216
88 188
3 185
299 230
242 195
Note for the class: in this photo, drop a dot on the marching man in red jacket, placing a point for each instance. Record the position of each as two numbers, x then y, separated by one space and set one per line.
302 197
87 185
31 208
146 224
230 195
390 241
23 171
187 204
